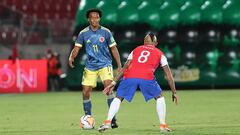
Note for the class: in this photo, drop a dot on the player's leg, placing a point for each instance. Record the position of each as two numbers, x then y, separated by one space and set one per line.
88 82
106 75
110 98
151 89
113 109
87 104
126 90
161 111
50 83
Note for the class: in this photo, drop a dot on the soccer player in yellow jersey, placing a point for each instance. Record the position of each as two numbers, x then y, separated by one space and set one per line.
97 41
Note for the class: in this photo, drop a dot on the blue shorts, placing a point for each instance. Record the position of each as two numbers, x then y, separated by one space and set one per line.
127 88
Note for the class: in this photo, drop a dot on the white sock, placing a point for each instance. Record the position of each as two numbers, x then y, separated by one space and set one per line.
114 107
161 110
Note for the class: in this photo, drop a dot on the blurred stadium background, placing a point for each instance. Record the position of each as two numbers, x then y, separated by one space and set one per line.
201 38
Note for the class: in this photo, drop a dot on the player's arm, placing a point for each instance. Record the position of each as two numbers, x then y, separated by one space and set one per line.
120 74
110 87
169 78
171 83
125 66
75 50
73 55
116 57
113 46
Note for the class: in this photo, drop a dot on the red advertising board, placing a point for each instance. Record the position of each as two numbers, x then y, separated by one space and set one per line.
23 76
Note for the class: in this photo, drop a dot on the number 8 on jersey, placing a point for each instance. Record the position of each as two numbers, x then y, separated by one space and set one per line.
143 57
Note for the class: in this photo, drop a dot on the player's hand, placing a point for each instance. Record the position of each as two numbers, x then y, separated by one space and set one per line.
70 62
119 69
175 98
108 89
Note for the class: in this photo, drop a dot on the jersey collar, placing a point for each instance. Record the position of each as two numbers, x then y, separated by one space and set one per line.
96 30
150 45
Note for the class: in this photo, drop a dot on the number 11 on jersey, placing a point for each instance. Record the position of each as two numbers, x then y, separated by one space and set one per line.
95 48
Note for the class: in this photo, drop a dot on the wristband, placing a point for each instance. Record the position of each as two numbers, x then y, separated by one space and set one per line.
113 83
70 58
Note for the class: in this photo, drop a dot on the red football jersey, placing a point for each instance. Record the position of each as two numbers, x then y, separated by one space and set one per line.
145 60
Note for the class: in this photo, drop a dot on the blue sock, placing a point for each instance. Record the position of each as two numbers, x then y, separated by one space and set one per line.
87 106
109 101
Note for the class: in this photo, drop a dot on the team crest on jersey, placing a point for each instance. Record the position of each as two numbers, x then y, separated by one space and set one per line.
101 39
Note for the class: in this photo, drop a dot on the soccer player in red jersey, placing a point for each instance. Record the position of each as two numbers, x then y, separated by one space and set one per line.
138 72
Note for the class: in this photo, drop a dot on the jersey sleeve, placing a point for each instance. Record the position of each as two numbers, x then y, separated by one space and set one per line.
130 56
163 61
110 39
79 40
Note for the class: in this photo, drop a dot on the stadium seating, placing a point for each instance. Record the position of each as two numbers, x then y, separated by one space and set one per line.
199 36
43 14
166 12
9 34
48 9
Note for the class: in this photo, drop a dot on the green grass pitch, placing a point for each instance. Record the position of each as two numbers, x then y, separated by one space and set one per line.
208 112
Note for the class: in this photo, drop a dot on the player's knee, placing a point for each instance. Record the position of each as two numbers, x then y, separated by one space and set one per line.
86 94
158 97
106 83
120 98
